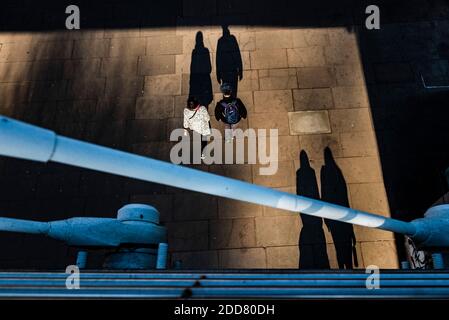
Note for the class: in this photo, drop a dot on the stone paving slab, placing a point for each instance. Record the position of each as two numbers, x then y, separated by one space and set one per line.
187 235
232 233
350 97
157 65
163 85
313 99
283 257
277 79
267 59
316 143
278 231
309 122
252 258
379 253
228 209
273 101
306 57
316 77
350 120
128 87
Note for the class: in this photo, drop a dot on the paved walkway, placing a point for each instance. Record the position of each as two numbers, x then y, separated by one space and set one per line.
127 89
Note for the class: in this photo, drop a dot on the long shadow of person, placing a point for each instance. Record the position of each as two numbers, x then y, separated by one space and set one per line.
229 60
200 70
334 190
312 242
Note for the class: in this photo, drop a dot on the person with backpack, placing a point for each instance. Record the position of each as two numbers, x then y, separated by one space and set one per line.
230 110
196 118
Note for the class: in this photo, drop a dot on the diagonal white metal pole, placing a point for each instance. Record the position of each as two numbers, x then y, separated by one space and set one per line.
21 140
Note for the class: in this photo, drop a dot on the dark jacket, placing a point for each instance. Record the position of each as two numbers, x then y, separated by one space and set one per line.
219 109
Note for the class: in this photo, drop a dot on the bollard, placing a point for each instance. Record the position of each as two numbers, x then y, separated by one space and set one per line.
177 265
81 259
162 253
438 262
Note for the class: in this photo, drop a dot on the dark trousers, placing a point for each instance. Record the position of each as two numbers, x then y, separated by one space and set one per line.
203 140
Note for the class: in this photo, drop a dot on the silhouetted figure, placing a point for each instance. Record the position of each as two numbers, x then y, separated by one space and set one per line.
334 190
229 60
200 70
312 242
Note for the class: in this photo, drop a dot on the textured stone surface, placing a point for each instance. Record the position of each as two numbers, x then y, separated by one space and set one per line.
273 39
358 144
309 122
156 65
277 79
253 258
155 149
316 77
278 231
306 57
163 85
232 233
164 45
126 47
288 147
342 54
360 169
369 197
237 209
285 257
314 144
155 107
266 59
350 97
270 120
349 75
282 178
350 120
313 99
119 67
272 101
128 88
184 236
189 206
123 87
380 253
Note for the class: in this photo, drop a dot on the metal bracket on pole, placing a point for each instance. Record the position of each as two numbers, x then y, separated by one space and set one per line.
131 236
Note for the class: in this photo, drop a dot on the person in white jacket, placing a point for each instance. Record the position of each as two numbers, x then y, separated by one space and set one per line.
196 118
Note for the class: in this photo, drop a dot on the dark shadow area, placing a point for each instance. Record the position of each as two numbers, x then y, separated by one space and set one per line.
46 14
29 15
334 190
79 105
312 242
229 60
200 70
410 120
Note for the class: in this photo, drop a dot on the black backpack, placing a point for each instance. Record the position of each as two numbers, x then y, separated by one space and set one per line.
231 112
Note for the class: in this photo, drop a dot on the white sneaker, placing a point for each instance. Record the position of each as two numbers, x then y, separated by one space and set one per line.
203 156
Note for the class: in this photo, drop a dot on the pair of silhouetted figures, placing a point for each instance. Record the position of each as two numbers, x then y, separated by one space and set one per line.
229 67
312 241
